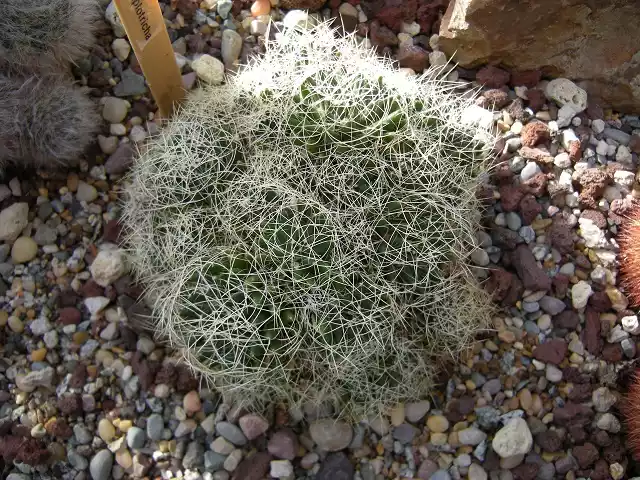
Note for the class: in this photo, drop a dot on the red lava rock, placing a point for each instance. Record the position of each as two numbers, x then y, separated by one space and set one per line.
539 154
78 377
187 8
601 438
634 144
591 333
499 283
414 57
525 471
254 467
600 302
23 450
69 316
551 351
502 172
593 181
549 441
67 298
532 276
535 133
111 232
560 285
186 381
146 371
504 238
572 414
510 197
91 289
560 234
567 319
529 209
575 151
428 14
536 99
600 471
166 375
586 454
612 352
59 428
516 109
70 404
526 78
615 452
492 77
536 185
580 392
495 98
381 35
391 13
596 217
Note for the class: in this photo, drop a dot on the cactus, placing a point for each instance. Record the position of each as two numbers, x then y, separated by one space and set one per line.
629 256
303 231
44 122
37 36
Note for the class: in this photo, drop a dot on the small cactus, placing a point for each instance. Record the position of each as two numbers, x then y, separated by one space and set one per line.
44 122
303 231
629 256
44 36
631 411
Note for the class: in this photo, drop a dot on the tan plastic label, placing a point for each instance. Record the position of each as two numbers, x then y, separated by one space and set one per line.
144 24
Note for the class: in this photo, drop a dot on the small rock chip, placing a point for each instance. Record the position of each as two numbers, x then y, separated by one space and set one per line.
101 464
209 69
283 444
13 220
335 467
24 250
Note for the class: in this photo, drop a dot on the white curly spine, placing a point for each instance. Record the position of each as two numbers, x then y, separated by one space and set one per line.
379 180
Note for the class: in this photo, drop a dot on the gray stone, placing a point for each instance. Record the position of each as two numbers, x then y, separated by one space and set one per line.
231 46
120 160
513 439
552 305
45 235
100 465
471 436
232 433
194 456
155 426
335 467
405 433
136 437
13 220
131 84
529 171
331 435
213 461
82 434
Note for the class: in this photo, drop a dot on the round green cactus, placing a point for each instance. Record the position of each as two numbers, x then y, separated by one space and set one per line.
304 230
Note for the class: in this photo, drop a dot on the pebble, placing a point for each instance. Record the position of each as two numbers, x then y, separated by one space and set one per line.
416 411
209 69
107 267
155 426
222 445
106 430
24 250
136 438
100 465
191 402
529 171
114 110
231 46
213 461
331 435
232 433
86 193
438 424
131 84
513 439
471 436
233 460
281 469
580 294
13 220
121 49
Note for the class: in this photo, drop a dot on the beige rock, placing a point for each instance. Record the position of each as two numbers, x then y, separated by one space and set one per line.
574 39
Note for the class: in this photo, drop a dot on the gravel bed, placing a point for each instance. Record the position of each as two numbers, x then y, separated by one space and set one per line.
85 393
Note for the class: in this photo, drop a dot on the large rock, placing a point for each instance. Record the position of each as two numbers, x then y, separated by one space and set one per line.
573 38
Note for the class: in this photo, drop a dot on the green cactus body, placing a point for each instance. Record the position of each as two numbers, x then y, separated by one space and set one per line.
305 228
